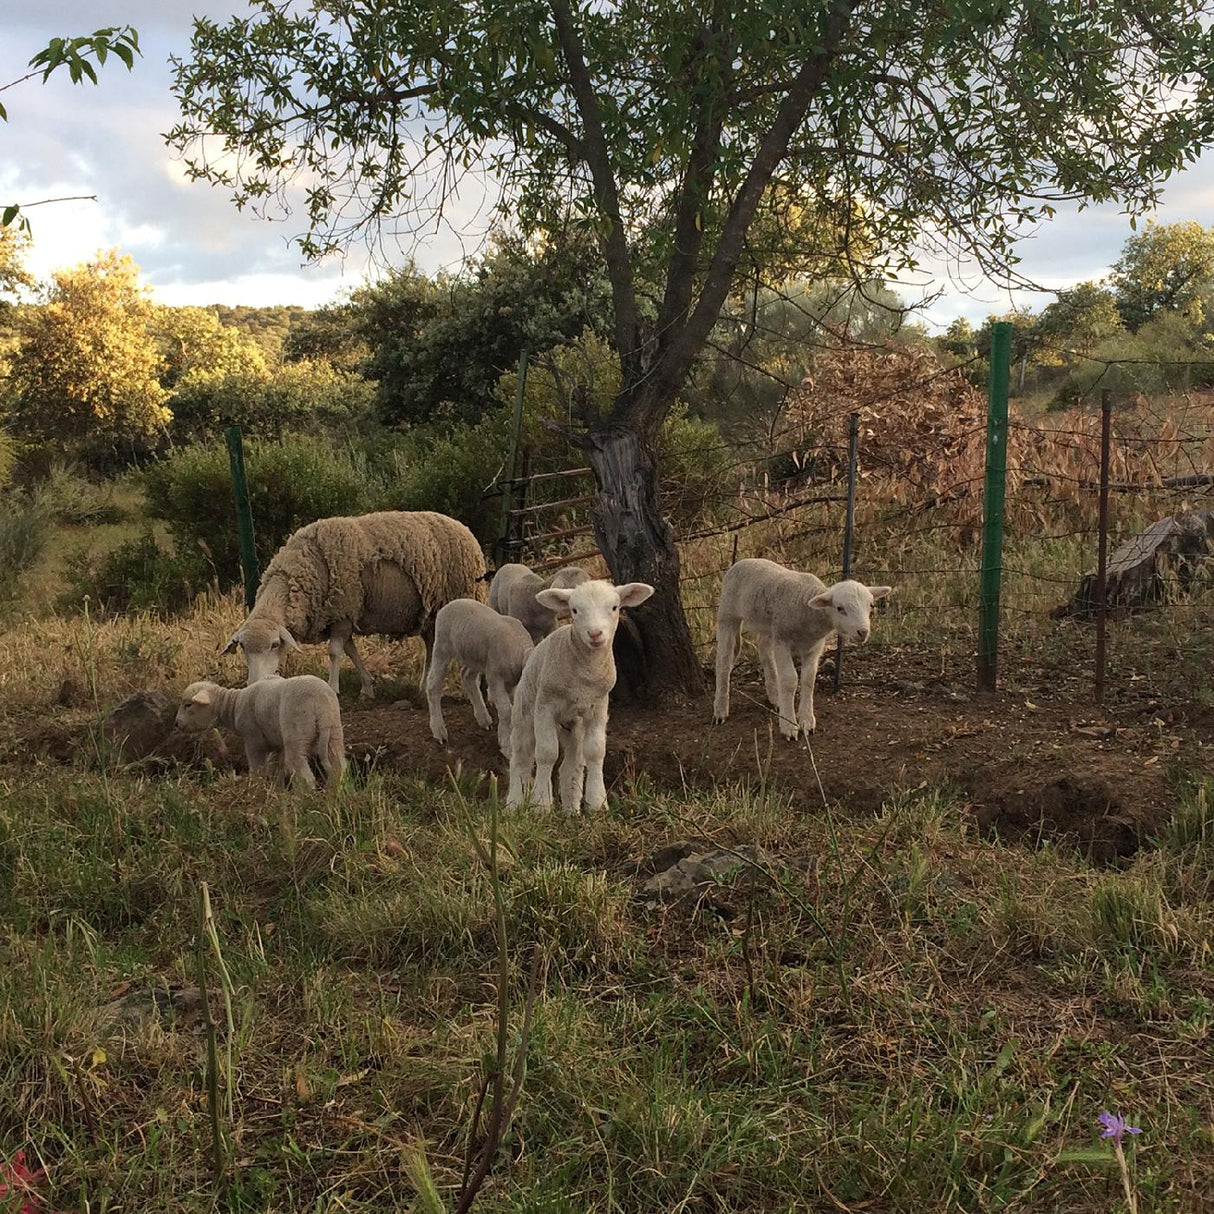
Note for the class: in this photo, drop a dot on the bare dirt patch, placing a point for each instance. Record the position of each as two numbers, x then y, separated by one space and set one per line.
1033 761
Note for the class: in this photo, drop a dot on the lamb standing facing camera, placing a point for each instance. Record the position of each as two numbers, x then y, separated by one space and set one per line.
791 615
483 643
287 720
513 590
562 697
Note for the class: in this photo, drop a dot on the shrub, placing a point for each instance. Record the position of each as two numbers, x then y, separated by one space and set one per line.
24 530
76 501
290 484
138 575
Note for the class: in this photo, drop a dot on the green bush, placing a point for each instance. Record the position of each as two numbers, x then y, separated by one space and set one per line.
290 483
75 501
24 530
138 575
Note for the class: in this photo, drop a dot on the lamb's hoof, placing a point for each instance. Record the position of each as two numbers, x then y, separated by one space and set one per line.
719 719
808 730
441 739
366 693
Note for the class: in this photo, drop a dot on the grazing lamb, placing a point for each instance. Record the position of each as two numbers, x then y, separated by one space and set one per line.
513 591
483 643
385 573
791 615
281 721
562 697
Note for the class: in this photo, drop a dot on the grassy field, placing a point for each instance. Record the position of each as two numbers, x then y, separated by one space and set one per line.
883 1011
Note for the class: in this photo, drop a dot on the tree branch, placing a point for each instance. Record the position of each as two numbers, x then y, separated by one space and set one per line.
670 370
598 160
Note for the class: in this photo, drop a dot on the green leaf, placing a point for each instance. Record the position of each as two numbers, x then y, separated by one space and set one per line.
10 213
1093 1156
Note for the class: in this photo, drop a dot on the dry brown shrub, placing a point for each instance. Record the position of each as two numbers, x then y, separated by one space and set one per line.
922 438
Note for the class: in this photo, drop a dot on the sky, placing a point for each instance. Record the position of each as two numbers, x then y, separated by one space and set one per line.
194 247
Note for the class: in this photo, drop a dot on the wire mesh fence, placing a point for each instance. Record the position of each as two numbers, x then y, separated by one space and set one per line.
918 519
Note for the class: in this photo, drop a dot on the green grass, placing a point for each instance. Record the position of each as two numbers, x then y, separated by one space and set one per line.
919 1020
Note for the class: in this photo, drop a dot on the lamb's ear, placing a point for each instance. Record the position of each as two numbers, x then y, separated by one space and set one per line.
633 594
201 697
879 592
288 640
554 600
230 647
823 601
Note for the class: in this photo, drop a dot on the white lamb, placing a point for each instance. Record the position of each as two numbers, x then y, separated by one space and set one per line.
562 697
483 643
513 591
282 722
386 573
791 614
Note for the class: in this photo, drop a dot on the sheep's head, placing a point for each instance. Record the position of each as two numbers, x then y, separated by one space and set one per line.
594 608
263 643
567 577
196 712
849 605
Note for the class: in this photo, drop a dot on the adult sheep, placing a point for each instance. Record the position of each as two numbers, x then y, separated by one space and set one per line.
386 573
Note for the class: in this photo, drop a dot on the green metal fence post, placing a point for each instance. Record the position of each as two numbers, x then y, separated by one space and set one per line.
503 534
853 429
244 514
992 506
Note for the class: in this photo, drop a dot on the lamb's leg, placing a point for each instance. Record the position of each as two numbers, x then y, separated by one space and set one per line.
257 753
435 678
729 638
786 688
770 683
573 768
501 701
547 751
809 674
522 757
296 767
594 750
427 635
472 689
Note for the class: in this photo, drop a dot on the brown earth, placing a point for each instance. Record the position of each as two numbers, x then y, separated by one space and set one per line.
1033 761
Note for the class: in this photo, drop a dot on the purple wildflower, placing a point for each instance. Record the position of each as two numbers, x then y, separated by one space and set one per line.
1115 1126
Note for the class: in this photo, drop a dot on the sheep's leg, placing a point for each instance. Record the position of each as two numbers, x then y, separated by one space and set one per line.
435 679
729 640
337 646
367 691
771 684
594 751
786 688
809 674
573 768
501 701
471 680
547 751
522 757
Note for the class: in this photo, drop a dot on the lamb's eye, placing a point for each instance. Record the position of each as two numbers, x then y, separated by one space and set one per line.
573 611
840 611
616 608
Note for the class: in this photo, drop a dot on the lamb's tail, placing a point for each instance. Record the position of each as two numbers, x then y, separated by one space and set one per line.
332 750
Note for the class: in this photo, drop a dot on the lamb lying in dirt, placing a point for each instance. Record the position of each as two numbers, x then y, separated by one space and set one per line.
483 643
283 723
561 699
791 614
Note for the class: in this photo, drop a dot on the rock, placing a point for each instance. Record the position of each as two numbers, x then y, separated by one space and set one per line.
140 725
689 876
955 697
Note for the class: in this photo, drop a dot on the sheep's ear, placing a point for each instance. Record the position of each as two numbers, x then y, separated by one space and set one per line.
554 600
633 594
879 592
288 640
230 647
201 697
823 601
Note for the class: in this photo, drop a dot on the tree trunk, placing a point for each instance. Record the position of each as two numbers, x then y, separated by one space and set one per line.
654 654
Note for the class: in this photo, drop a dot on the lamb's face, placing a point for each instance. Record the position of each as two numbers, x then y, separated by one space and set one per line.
196 712
263 644
594 608
850 604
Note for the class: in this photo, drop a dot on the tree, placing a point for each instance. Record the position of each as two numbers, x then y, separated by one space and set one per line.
192 341
87 370
1166 267
1079 320
75 55
668 129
